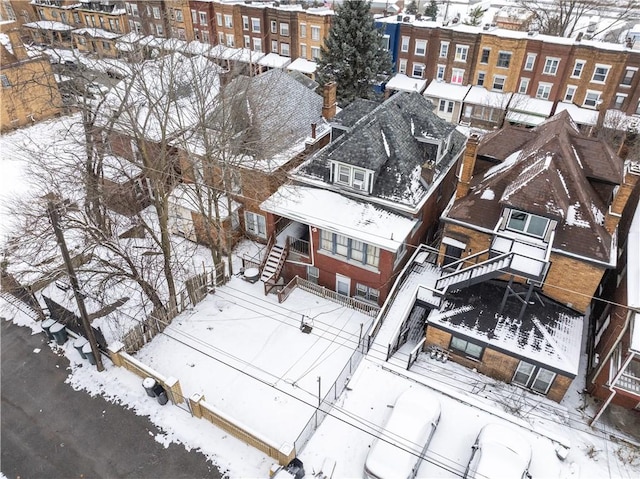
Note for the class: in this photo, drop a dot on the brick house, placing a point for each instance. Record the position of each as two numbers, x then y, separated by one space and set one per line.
148 17
361 203
203 21
535 216
254 25
29 89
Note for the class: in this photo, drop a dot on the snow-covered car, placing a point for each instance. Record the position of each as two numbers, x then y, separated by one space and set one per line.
398 451
499 452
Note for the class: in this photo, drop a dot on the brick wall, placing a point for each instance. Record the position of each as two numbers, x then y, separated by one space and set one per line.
572 282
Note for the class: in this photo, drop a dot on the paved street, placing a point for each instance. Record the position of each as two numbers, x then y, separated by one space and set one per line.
51 431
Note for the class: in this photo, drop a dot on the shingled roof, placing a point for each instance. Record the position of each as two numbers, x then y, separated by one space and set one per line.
392 140
551 171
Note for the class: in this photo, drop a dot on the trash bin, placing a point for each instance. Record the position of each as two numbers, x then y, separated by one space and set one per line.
149 384
86 350
79 344
59 333
46 325
162 398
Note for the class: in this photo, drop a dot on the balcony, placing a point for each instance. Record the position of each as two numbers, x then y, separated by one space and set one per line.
630 379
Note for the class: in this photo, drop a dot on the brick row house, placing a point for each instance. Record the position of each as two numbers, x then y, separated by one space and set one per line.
356 209
531 233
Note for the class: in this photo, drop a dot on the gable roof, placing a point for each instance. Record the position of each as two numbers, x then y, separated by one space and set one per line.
549 171
393 140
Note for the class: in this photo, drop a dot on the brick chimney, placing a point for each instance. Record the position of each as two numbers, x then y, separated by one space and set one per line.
329 100
631 175
468 164
18 47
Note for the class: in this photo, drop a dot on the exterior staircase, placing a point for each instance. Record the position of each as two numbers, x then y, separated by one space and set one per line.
273 266
474 274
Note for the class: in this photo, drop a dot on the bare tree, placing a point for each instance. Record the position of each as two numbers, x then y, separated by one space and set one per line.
564 18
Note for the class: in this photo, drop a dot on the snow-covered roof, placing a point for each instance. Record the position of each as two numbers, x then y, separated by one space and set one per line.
198 48
524 118
193 198
402 82
49 25
633 279
447 91
303 65
527 104
582 116
356 219
479 95
96 33
273 60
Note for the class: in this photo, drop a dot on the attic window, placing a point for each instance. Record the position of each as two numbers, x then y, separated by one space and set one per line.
526 223
350 176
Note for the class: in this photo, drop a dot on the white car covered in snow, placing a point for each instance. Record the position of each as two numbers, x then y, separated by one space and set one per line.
397 453
499 452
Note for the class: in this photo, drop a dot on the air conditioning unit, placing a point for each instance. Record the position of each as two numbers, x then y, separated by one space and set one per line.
359 184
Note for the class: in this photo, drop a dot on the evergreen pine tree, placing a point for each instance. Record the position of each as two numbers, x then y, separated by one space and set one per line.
412 8
353 54
475 16
431 10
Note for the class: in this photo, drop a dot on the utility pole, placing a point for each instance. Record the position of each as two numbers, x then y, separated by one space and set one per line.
55 222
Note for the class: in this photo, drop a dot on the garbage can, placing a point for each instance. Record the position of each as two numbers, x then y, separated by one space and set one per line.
46 325
161 394
86 350
59 333
79 344
149 384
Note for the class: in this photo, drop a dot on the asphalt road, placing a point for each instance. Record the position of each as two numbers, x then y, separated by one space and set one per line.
50 431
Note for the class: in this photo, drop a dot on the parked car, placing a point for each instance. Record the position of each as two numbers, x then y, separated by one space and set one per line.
499 452
398 451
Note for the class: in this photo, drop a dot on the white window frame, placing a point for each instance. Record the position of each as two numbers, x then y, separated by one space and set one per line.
421 48
551 65
219 19
628 72
481 61
462 53
315 52
482 78
228 21
284 29
303 30
596 101
253 224
315 32
285 51
245 22
404 46
579 66
444 50
257 44
543 91
274 46
274 26
420 68
402 66
527 224
570 93
203 18
498 77
607 70
530 61
440 72
303 50
524 86
457 76
618 104
255 25
509 57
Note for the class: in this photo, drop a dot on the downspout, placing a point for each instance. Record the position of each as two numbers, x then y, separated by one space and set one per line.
313 260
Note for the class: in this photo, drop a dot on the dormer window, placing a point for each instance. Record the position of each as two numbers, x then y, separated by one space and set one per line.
527 223
351 176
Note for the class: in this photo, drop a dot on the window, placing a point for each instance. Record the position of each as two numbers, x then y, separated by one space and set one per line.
205 37
405 44
284 49
228 21
315 53
530 61
524 86
403 66
350 249
274 26
219 19
203 18
592 99
194 16
620 98
159 30
246 40
5 81
313 274
551 66
418 70
255 25
156 13
231 42
257 45
106 45
527 376
367 293
245 22
457 76
570 94
315 33
255 224
468 349
484 57
527 223
440 72
221 38
638 109
274 46
504 59
627 79
498 82
444 49
544 91
303 30
481 77
386 42
284 29
445 105
577 69
421 47
178 14
303 50
76 17
600 73
461 53
134 10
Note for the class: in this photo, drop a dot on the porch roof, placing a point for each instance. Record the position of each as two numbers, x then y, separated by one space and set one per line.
337 213
633 280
